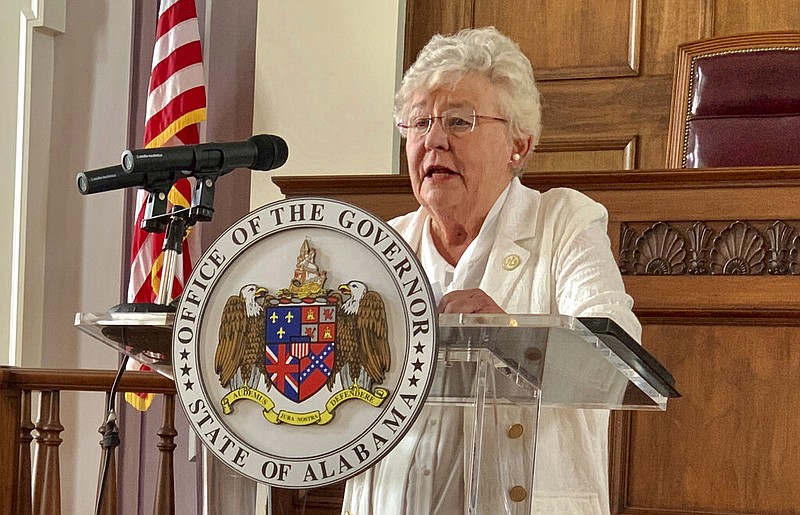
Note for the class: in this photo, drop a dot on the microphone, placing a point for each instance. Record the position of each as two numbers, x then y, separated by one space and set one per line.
114 178
262 152
164 166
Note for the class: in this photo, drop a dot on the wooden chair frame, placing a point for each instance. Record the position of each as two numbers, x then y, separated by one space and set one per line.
682 85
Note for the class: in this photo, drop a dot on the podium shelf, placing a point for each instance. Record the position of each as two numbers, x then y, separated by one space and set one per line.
567 361
570 362
145 337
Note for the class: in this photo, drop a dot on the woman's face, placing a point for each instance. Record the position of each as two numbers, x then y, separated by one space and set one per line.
460 175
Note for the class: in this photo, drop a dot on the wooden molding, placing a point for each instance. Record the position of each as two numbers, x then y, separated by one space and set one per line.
732 247
626 144
43 379
737 317
664 179
596 72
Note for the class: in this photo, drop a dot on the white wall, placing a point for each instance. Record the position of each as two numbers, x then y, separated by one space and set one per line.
27 32
10 30
64 95
326 73
89 129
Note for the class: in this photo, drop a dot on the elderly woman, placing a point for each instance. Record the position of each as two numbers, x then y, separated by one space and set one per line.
469 110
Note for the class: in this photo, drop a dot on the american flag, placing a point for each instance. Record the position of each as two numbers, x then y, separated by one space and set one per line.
176 104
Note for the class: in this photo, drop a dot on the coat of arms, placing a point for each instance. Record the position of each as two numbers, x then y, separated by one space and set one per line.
302 340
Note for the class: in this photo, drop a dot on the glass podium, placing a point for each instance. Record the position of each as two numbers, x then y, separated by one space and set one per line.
488 366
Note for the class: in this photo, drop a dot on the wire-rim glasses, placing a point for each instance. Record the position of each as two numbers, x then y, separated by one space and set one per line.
454 121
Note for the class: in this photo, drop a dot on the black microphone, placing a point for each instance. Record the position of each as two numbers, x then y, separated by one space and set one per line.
114 178
262 152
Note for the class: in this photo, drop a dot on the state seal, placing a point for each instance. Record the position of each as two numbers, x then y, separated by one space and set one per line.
304 343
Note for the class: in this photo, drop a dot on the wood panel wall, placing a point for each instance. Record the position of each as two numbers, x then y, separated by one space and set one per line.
604 67
732 342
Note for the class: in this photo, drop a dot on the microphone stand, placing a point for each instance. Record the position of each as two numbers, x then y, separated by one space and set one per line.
110 442
176 225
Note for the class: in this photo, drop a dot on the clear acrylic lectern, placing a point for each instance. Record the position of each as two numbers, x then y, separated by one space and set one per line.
492 364
487 365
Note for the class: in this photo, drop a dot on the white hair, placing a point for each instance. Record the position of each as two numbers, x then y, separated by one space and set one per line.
447 59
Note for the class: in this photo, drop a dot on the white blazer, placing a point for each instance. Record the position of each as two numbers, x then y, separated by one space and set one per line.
551 254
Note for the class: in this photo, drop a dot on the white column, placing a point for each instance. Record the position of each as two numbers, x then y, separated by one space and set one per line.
28 30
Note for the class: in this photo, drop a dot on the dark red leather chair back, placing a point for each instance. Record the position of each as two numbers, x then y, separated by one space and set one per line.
736 102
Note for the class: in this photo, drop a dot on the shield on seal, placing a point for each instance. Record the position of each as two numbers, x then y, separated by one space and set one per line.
300 349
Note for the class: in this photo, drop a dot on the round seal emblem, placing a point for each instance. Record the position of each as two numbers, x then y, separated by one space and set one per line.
304 343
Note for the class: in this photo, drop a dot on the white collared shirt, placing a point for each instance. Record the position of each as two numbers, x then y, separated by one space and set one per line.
467 273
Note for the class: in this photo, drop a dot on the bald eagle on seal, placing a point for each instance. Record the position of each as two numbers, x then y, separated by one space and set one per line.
362 353
240 359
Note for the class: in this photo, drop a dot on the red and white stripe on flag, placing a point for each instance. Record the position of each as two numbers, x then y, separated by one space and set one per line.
176 104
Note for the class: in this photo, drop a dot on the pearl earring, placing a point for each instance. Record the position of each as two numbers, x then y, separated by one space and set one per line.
515 157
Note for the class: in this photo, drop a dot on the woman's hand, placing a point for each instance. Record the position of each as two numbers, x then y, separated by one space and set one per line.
468 301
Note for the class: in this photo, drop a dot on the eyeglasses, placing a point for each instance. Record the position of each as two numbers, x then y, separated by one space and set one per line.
454 121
